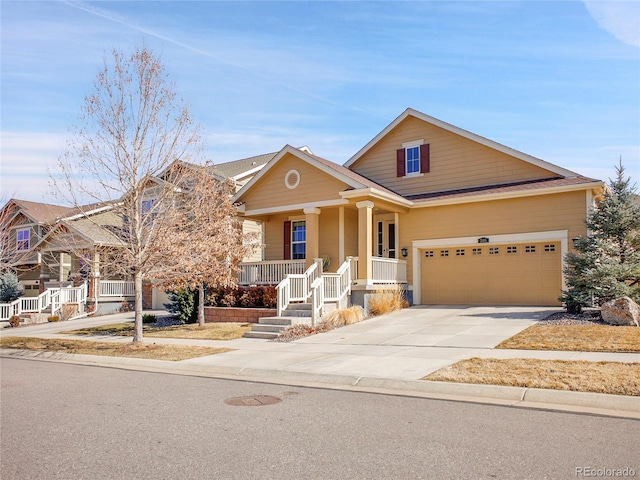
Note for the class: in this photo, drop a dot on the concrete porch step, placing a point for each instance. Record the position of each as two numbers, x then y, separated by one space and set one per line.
270 327
261 335
298 310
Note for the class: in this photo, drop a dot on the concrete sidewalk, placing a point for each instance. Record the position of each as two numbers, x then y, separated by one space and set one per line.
391 351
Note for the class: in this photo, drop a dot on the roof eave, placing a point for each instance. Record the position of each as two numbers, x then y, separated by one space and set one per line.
507 195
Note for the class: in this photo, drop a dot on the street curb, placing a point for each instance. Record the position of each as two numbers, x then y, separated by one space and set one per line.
599 403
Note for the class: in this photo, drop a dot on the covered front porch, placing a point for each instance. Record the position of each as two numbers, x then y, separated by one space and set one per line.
328 255
384 271
321 221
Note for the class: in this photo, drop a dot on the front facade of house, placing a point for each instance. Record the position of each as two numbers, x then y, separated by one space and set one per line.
454 217
24 225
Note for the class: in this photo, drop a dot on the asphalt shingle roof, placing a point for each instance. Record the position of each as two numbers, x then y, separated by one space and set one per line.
43 213
236 167
530 185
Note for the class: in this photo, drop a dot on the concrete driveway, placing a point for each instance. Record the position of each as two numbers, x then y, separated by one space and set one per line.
438 326
406 344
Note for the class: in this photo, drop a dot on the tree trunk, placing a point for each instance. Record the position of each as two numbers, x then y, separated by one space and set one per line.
201 305
137 286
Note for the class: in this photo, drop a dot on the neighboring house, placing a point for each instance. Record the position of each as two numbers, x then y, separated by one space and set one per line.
24 224
78 248
454 217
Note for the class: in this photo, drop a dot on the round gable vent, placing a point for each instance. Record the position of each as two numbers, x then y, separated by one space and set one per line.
292 179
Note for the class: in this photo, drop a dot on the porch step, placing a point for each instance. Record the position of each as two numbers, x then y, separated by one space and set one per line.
298 310
269 327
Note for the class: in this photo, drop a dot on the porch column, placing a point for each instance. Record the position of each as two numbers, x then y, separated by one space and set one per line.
312 217
365 240
61 267
93 290
341 256
396 220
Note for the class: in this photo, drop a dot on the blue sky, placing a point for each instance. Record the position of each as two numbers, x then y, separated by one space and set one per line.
557 80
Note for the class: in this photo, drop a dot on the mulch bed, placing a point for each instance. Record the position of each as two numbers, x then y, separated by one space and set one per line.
587 317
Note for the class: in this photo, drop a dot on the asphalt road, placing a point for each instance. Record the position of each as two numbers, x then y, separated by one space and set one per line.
60 421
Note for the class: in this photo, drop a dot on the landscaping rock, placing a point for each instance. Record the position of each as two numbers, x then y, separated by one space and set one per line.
621 311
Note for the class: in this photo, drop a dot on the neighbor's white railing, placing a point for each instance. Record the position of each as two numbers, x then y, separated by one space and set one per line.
269 272
54 297
116 288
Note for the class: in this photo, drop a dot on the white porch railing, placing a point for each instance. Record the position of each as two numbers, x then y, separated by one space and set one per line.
116 288
297 287
337 286
54 297
388 270
383 270
269 272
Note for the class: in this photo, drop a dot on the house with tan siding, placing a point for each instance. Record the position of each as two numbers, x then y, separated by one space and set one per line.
450 216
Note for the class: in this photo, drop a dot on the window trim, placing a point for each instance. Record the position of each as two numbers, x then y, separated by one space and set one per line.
146 205
20 244
298 242
406 146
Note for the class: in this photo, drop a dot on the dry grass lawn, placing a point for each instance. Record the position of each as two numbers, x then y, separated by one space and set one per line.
210 331
110 349
583 338
600 377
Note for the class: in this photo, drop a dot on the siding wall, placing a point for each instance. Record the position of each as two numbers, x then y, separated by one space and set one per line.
456 162
563 211
270 190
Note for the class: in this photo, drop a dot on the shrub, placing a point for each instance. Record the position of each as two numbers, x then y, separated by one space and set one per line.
14 321
149 318
126 306
385 301
68 310
252 297
53 318
183 304
262 296
270 297
10 288
346 316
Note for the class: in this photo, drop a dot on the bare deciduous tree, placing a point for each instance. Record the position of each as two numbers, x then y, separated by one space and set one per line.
135 134
204 236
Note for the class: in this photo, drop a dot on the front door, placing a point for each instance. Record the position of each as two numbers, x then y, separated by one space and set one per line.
385 239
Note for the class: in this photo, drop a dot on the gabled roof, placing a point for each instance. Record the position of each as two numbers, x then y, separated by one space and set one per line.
40 213
410 112
100 231
242 167
354 180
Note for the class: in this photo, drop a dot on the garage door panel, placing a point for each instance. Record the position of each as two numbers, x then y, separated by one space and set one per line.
515 274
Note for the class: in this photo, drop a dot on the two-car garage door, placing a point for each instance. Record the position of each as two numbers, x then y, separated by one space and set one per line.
485 274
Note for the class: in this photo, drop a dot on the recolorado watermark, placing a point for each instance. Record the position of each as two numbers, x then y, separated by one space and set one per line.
597 472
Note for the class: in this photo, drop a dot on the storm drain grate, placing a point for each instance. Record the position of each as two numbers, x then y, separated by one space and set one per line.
253 401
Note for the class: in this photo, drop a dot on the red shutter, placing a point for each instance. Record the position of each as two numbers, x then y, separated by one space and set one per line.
287 240
400 163
425 160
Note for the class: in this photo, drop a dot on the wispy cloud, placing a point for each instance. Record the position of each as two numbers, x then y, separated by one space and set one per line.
247 67
621 18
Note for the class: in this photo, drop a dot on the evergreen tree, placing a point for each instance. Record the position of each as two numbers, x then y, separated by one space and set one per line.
10 288
183 304
606 264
